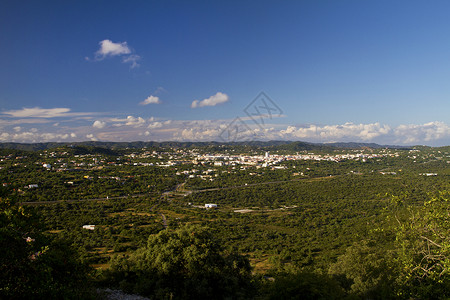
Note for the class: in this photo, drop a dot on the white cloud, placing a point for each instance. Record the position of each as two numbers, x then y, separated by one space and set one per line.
214 100
373 132
432 133
133 59
413 133
109 48
150 100
4 137
99 124
33 136
91 137
133 128
37 112
129 121
347 131
154 125
132 121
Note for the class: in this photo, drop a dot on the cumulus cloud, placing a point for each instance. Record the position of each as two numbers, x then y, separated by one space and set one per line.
129 121
330 133
132 121
4 137
361 132
214 100
99 124
33 136
109 48
216 130
154 125
413 133
150 100
91 137
133 128
374 132
429 133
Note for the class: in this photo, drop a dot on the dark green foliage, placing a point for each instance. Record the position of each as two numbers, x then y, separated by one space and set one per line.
367 271
32 266
186 263
303 285
423 247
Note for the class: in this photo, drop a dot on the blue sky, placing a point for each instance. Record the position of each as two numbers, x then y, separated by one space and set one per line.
362 71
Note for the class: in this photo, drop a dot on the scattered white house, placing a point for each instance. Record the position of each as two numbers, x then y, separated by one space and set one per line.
210 205
47 166
33 186
89 227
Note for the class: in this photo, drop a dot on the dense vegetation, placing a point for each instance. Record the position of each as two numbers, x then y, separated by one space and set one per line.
375 228
34 265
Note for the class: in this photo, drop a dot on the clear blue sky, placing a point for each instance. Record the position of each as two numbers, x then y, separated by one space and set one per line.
364 71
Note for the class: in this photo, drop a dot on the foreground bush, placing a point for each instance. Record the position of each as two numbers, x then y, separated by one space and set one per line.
186 263
35 266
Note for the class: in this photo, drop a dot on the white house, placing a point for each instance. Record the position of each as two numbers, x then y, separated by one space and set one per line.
210 205
89 227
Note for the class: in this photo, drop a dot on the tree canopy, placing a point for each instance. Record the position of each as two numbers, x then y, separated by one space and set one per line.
186 263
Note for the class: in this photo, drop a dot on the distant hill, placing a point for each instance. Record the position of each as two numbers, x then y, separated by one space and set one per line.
99 147
30 147
354 145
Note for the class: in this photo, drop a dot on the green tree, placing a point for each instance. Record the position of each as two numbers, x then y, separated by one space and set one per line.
366 270
33 266
423 243
187 263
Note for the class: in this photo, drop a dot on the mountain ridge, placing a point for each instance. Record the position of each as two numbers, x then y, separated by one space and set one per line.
273 145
